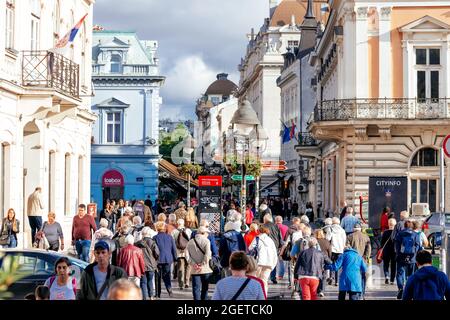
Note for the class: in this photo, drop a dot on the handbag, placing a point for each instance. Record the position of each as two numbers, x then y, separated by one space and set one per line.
379 255
214 262
5 238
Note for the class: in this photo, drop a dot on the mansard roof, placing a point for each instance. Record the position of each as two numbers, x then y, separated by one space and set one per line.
288 8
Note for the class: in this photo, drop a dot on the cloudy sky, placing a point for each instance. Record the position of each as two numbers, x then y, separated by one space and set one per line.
197 39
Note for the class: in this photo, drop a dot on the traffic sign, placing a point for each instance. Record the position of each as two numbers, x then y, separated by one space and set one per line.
274 168
266 163
446 146
239 177
210 181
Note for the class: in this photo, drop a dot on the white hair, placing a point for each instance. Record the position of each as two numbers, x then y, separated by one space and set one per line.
279 219
172 217
128 210
146 232
129 239
304 218
268 218
104 223
137 220
204 223
180 223
336 220
328 221
307 231
312 242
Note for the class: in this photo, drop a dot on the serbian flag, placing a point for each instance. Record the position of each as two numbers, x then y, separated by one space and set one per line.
292 130
70 36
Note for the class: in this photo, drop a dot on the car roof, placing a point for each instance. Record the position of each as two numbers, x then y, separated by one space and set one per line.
46 252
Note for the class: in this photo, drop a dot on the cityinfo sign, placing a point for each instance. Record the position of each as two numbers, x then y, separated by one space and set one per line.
389 192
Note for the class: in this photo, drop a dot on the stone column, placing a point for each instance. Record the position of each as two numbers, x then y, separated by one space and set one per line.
349 71
385 54
362 61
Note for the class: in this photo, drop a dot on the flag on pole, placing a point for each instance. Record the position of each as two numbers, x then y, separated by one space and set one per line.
292 131
70 36
286 133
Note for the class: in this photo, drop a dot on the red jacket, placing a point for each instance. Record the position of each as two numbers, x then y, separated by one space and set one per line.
131 258
248 238
384 224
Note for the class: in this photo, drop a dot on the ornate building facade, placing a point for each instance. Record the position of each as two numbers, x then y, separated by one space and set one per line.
45 117
382 78
127 101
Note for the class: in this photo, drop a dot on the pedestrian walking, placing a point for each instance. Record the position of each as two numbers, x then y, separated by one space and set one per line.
238 286
266 255
53 233
151 256
249 216
384 224
98 277
251 234
325 247
309 269
338 240
10 229
231 241
388 247
172 223
136 229
349 221
167 255
275 235
62 286
417 227
353 270
191 220
282 265
182 235
360 242
407 244
82 228
35 210
400 226
309 212
124 289
131 259
427 283
251 273
199 256
181 212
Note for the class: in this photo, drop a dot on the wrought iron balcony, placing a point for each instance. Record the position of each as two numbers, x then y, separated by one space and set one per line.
45 69
392 108
306 140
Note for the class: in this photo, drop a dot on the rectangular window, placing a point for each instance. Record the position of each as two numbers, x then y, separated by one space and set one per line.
413 191
421 89
9 30
421 56
67 185
434 84
435 56
113 127
34 33
432 195
292 44
423 191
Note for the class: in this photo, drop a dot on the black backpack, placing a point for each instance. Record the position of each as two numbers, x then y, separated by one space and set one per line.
182 240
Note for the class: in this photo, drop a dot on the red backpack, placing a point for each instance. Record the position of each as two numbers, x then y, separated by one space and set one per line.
74 284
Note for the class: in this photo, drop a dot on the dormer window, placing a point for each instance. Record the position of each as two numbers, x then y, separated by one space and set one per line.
116 63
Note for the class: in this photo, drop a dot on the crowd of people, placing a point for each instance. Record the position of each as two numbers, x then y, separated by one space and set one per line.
134 251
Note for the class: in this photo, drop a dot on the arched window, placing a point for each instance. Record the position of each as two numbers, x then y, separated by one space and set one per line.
427 157
116 63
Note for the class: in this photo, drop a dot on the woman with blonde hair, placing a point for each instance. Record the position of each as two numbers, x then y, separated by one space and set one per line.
252 269
10 229
191 220
251 234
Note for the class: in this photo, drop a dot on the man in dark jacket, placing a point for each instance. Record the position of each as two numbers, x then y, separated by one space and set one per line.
98 277
407 244
309 269
360 242
151 256
231 241
275 235
167 255
427 283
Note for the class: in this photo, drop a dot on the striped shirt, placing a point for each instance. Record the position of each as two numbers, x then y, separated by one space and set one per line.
228 287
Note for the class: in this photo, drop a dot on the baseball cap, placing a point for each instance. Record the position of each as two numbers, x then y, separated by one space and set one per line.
103 245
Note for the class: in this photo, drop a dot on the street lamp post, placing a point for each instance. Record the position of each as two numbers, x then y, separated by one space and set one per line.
243 122
188 148
260 136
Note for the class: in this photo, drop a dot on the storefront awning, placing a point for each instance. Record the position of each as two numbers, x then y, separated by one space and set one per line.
172 171
270 184
287 177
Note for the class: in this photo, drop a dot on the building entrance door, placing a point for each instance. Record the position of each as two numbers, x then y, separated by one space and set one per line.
113 186
112 193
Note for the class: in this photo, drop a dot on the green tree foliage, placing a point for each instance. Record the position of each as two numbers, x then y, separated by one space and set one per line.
168 140
9 273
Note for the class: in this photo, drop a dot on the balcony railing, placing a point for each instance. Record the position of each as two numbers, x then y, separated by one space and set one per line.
45 69
366 109
306 140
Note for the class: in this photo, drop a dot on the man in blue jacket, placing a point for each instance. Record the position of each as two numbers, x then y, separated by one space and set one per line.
407 244
230 242
427 283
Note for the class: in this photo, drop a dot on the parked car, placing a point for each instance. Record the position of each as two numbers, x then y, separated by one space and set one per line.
432 228
38 265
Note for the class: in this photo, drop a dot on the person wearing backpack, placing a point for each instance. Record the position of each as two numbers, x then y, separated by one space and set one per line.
407 244
182 236
199 252
151 256
238 286
231 241
265 253
61 285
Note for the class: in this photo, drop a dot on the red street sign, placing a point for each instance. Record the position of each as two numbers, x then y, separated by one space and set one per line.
210 181
266 163
446 146
274 168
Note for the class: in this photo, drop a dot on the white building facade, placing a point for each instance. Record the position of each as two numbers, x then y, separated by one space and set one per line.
45 118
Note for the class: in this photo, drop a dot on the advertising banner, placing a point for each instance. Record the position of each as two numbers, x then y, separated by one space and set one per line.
210 201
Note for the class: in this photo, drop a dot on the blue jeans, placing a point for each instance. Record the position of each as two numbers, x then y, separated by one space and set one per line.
83 247
147 284
35 225
404 270
273 274
281 266
200 282
352 295
13 242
